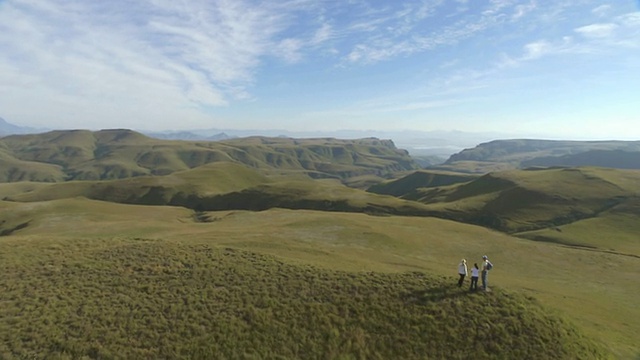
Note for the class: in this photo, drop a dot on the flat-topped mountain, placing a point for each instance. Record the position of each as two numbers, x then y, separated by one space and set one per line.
115 154
522 153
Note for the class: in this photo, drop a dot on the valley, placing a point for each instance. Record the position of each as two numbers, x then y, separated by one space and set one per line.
350 253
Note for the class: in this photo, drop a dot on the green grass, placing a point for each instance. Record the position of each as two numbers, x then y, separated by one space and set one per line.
223 186
407 186
474 167
145 298
617 231
603 307
526 200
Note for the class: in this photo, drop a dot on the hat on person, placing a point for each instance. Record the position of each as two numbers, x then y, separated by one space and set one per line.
484 257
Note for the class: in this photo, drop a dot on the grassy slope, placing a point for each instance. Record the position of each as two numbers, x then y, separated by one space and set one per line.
523 200
195 301
617 231
406 186
76 231
474 167
224 186
12 169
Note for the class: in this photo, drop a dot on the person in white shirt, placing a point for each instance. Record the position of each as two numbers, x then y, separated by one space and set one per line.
462 271
485 272
474 277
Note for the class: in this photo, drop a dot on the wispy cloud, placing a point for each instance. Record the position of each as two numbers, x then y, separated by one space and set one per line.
601 10
190 54
167 59
622 32
597 30
386 38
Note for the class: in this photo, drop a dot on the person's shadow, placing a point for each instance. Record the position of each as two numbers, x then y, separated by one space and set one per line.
424 296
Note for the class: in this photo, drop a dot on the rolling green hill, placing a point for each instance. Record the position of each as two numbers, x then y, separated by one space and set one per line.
526 200
103 280
221 186
307 271
615 230
500 155
121 153
408 185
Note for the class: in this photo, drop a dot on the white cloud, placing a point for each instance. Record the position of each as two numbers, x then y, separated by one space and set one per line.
601 10
630 20
289 49
96 54
388 38
597 30
324 33
536 50
523 9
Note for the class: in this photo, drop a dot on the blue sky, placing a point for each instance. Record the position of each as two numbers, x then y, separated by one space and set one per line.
531 68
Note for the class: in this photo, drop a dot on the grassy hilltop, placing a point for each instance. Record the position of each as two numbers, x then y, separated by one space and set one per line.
126 246
84 276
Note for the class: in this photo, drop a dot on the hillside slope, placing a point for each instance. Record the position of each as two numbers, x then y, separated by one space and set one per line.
407 186
524 200
121 153
67 298
60 234
221 186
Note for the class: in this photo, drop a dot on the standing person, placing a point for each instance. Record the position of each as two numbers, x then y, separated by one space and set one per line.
486 266
474 277
462 271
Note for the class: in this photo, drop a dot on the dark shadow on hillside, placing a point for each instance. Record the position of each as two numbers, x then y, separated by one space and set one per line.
424 296
7 232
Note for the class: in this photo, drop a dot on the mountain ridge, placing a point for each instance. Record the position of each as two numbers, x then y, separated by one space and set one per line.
122 153
498 155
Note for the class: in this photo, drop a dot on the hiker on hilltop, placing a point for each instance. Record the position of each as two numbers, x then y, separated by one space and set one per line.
474 277
462 271
486 266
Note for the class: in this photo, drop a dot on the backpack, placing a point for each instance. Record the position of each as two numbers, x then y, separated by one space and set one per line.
489 265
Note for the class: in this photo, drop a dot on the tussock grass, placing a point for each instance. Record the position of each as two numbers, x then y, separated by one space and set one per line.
604 307
143 298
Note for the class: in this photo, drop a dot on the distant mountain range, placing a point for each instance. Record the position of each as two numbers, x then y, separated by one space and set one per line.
460 152
427 147
63 155
7 128
525 153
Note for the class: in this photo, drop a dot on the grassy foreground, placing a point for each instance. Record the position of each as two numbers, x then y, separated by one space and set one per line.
143 298
60 242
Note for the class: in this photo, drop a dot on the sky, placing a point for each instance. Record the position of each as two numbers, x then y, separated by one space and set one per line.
545 68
